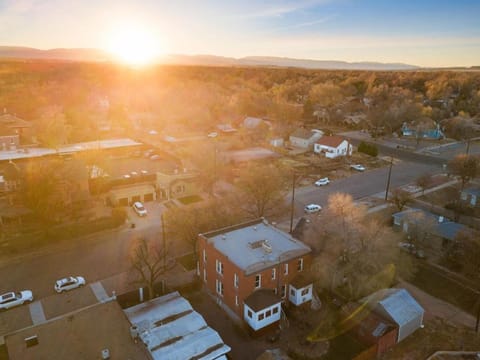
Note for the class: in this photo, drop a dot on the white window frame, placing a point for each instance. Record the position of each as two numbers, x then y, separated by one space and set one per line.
236 280
204 256
236 300
300 264
285 269
274 273
204 274
258 281
219 287
219 267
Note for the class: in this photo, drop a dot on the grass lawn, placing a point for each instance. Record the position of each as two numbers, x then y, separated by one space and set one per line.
190 199
431 281
188 261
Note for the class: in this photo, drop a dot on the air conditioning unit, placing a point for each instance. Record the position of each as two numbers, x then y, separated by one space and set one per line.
105 354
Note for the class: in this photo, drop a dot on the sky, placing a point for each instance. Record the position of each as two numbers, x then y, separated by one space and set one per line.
420 32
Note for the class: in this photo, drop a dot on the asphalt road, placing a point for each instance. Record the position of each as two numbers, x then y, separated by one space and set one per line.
361 185
104 255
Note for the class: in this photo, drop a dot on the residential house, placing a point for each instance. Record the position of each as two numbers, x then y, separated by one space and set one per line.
417 220
170 329
333 146
252 269
9 138
177 184
429 134
18 130
399 307
471 196
304 138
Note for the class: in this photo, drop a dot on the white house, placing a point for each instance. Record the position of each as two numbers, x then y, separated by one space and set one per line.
333 146
262 309
304 138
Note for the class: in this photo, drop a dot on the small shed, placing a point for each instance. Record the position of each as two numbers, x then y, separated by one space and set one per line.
262 309
398 306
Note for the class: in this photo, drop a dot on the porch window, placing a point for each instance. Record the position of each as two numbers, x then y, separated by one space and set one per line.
261 316
249 314
305 291
275 310
268 313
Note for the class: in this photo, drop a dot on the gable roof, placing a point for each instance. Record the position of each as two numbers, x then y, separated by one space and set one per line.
400 306
331 141
14 122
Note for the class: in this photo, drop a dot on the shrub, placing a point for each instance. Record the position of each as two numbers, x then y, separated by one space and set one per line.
369 149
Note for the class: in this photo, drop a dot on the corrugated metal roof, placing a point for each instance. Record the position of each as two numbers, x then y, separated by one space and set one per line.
172 330
401 306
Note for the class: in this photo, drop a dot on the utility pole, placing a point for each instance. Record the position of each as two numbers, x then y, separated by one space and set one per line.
164 245
292 206
468 146
388 180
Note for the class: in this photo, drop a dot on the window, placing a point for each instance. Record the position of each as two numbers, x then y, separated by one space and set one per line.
284 291
180 189
219 267
261 316
305 291
219 286
275 310
285 270
236 300
300 265
268 313
292 292
205 275
204 256
258 281
274 273
249 314
235 280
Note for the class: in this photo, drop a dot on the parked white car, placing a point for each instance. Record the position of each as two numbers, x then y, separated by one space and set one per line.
358 167
139 208
12 299
322 182
312 208
69 283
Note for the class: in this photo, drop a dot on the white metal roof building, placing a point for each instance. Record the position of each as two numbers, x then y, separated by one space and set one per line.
172 330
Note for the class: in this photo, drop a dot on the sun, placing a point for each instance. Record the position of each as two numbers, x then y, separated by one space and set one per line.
134 45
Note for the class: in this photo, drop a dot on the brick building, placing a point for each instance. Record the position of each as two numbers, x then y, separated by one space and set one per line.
253 268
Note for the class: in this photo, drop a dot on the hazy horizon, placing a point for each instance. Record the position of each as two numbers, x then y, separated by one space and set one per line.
423 33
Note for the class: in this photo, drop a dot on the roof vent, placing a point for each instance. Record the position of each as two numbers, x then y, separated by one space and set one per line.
255 228
105 354
224 237
31 341
266 247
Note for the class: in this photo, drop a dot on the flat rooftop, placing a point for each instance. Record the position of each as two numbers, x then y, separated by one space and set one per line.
26 153
256 245
81 335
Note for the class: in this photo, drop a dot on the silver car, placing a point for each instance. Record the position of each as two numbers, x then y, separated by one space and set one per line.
69 283
12 299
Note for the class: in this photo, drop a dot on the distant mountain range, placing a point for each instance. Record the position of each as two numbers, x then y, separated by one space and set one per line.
17 52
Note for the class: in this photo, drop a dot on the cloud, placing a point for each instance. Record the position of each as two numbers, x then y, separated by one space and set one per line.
279 8
309 23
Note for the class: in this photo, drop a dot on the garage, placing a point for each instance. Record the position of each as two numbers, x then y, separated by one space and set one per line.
127 195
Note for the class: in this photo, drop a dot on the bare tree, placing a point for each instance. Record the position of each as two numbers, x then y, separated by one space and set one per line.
147 262
262 190
355 253
400 198
424 182
466 167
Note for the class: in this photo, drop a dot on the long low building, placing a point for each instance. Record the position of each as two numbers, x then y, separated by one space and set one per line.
171 329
